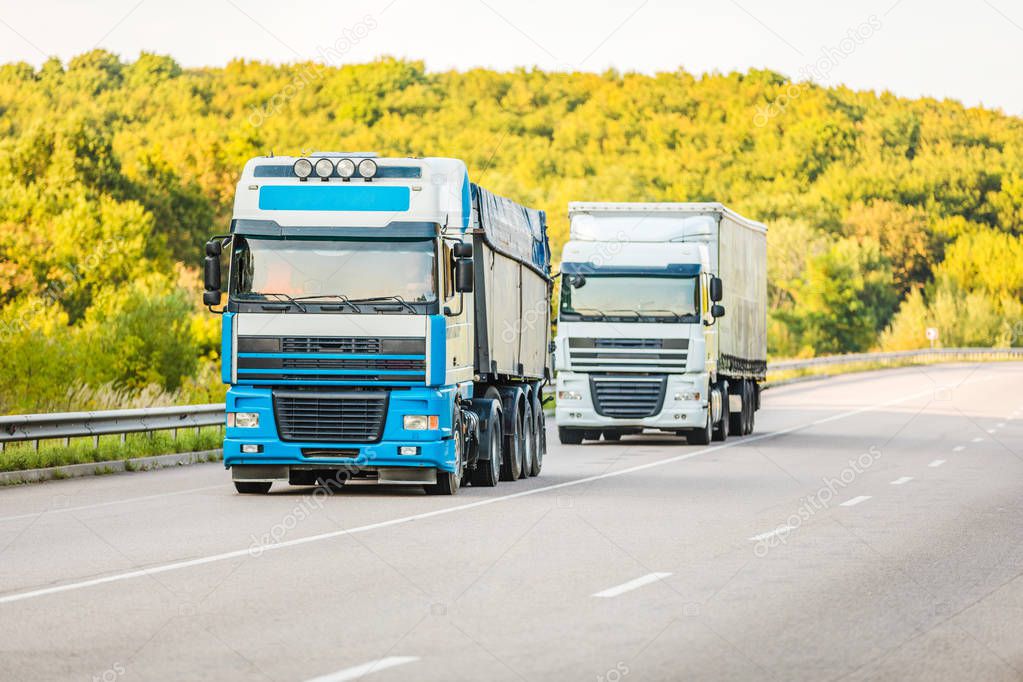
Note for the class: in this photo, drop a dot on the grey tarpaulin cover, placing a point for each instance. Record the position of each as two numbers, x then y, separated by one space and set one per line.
517 231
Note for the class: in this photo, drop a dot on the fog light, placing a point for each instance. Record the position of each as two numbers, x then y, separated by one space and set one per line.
408 450
252 449
324 168
346 168
303 168
569 395
688 395
421 422
243 420
367 168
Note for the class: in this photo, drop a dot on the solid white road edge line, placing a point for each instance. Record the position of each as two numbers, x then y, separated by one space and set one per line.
359 671
126 500
902 481
631 585
259 549
855 501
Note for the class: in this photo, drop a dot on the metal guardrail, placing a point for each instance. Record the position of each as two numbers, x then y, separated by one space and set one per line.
67 425
929 354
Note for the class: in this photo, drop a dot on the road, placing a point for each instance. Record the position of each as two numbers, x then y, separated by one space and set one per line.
872 528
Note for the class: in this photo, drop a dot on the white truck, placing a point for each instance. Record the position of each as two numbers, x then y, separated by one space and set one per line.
662 322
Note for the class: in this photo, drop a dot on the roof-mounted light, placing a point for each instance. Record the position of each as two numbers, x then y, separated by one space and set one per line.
345 168
324 168
303 168
368 168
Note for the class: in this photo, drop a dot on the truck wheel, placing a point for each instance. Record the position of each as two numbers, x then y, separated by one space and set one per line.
448 483
511 467
488 472
570 436
721 428
752 419
528 439
252 487
701 436
737 420
540 419
532 467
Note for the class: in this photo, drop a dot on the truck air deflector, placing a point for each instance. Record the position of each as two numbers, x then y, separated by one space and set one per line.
334 198
669 270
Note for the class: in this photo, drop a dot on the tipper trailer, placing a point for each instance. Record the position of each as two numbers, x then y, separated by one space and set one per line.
662 322
386 321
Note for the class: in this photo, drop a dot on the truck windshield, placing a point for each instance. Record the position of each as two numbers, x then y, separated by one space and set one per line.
625 298
327 269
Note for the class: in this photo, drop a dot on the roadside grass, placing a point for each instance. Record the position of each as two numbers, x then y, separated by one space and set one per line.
51 453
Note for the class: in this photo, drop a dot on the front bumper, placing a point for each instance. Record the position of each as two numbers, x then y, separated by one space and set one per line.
675 415
435 449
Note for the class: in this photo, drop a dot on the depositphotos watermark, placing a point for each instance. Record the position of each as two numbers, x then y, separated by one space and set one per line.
819 71
816 502
329 56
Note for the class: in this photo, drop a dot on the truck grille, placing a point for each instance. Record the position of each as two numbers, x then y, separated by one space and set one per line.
628 355
336 417
628 397
329 344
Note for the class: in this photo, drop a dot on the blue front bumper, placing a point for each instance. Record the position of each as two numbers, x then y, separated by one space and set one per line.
436 449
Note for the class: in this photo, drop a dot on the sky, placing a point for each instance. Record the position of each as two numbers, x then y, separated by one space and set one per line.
968 50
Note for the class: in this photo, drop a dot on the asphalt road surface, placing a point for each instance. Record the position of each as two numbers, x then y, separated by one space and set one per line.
872 528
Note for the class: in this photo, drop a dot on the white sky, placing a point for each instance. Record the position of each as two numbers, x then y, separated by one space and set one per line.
970 50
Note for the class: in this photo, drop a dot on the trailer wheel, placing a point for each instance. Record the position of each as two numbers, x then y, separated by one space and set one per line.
488 472
751 418
514 444
570 436
528 439
540 420
531 466
448 483
253 487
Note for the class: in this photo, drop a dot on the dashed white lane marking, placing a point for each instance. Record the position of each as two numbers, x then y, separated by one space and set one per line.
127 500
1000 425
959 448
780 530
936 463
855 501
360 671
978 439
902 481
631 585
444 511
992 431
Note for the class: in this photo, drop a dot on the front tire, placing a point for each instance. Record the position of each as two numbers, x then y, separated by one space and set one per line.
701 436
449 483
253 487
570 436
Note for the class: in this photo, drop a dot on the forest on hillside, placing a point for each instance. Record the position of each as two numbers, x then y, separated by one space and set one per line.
887 215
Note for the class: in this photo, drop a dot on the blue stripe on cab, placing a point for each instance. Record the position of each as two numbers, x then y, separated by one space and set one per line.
312 197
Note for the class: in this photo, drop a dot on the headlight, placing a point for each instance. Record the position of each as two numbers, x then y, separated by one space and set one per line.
346 168
243 420
569 395
303 168
367 168
421 422
324 168
688 395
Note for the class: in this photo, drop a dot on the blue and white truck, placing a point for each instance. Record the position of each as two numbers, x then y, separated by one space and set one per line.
386 321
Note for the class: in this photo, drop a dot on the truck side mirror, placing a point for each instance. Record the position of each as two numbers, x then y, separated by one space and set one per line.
716 291
211 272
464 275
717 310
576 281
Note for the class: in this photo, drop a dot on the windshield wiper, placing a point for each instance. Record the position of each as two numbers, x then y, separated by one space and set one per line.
578 311
397 299
287 298
678 318
339 297
638 314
